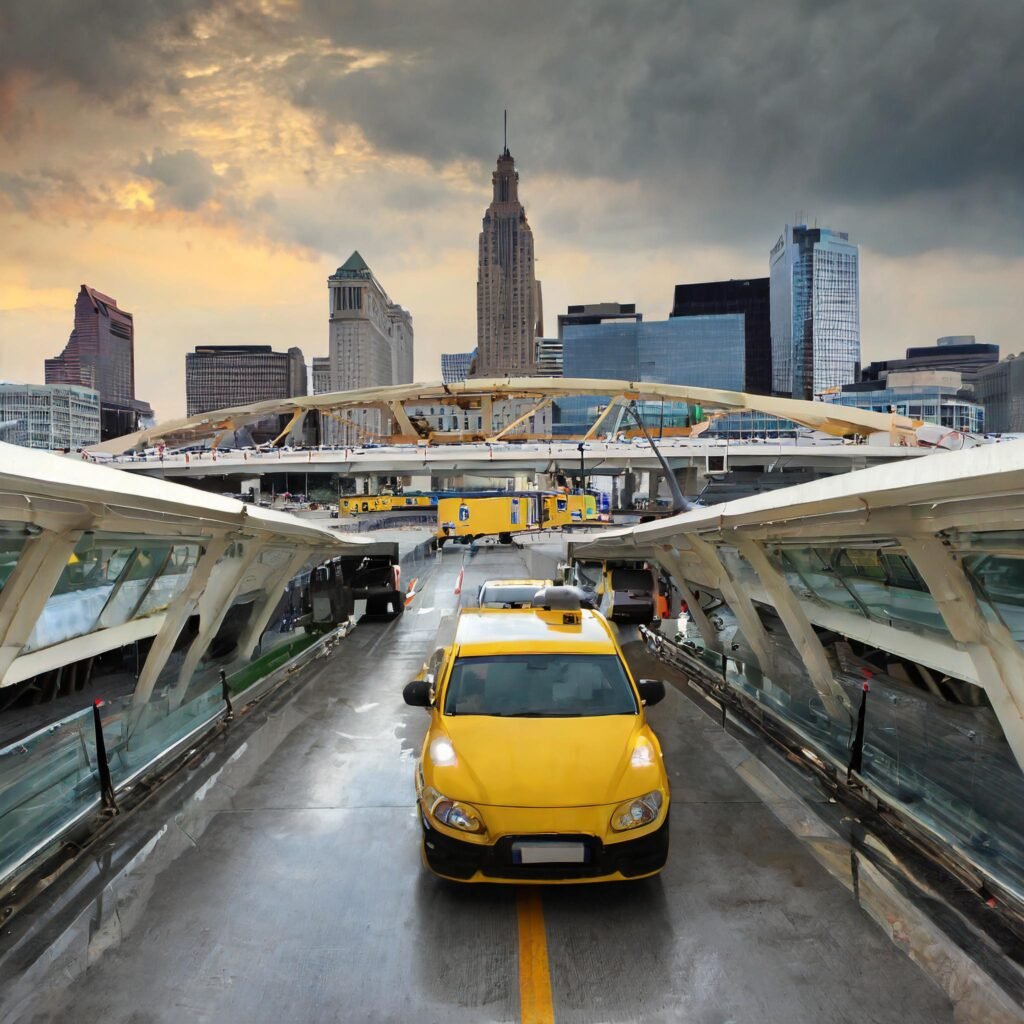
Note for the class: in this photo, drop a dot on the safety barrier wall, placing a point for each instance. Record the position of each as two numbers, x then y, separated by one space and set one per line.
163 599
880 618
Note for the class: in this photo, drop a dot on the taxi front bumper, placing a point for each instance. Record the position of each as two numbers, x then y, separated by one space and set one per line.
475 862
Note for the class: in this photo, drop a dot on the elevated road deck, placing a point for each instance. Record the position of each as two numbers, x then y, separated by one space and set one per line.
303 899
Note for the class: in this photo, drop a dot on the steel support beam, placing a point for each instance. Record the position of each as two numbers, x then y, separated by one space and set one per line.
736 598
29 588
670 560
997 657
177 614
522 419
800 630
272 591
406 429
214 605
612 405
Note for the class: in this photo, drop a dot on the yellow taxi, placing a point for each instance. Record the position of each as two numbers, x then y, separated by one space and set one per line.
539 764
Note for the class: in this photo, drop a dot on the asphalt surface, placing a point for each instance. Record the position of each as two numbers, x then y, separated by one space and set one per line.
306 901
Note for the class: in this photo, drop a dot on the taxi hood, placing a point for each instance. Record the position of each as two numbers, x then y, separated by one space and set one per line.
541 762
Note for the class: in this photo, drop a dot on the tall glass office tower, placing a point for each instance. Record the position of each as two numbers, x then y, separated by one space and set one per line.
815 311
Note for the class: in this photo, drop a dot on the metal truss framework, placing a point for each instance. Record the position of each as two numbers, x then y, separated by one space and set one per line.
48 504
481 395
939 514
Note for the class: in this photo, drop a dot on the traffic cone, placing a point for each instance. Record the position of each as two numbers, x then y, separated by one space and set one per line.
458 582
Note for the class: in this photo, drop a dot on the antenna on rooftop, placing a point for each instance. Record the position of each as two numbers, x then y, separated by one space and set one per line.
506 130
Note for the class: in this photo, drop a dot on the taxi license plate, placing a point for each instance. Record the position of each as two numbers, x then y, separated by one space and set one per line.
549 853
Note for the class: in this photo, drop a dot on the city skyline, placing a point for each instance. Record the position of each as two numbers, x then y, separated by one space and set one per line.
247 151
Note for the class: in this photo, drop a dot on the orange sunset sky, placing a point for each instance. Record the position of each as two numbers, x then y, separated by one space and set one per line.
209 164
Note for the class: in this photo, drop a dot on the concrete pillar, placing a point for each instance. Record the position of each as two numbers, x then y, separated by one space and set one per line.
628 490
689 481
417 482
653 486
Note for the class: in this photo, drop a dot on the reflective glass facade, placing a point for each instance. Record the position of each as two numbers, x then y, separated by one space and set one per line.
937 404
815 311
751 297
701 351
455 366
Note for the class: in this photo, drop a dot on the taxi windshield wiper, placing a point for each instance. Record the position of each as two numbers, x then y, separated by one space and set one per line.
545 714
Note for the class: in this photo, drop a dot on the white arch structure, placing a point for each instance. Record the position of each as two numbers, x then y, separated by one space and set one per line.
482 394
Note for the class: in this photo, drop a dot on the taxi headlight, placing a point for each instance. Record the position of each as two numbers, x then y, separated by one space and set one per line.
634 813
453 813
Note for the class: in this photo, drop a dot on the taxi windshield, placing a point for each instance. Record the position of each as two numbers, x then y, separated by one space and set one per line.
539 686
508 595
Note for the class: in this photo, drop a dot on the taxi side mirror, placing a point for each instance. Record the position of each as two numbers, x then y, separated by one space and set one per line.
651 691
417 693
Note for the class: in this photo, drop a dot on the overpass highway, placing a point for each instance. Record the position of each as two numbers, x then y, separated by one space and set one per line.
600 457
303 900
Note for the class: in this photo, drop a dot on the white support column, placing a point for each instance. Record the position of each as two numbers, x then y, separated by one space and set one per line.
737 600
669 558
183 606
215 603
800 630
272 594
998 660
29 588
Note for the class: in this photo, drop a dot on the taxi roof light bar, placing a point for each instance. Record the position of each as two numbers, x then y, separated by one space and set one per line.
568 600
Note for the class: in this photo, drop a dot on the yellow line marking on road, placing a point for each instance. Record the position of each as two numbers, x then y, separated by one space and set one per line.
534 973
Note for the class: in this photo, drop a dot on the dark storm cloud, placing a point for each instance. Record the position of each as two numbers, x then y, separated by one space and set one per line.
184 179
113 50
794 103
899 120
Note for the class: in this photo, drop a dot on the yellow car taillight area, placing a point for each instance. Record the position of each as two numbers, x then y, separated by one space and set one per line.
638 812
452 813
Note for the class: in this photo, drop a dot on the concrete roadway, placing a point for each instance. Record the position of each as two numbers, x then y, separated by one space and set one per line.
306 902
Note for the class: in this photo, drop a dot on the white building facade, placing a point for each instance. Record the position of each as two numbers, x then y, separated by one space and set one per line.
49 416
370 344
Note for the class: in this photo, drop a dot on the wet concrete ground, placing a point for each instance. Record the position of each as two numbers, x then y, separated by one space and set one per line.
306 902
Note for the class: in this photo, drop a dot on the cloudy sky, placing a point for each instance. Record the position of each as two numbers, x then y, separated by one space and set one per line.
209 163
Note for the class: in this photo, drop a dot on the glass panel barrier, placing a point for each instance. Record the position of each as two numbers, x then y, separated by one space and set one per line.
46 780
887 585
172 580
948 765
12 541
809 574
109 581
50 777
998 582
940 757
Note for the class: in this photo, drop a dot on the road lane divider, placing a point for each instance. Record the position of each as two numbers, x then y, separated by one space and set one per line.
535 1005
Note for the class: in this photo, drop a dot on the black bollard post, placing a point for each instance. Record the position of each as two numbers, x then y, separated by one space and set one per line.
857 750
225 692
106 783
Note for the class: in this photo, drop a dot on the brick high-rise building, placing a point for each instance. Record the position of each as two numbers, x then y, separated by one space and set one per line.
508 295
225 376
100 354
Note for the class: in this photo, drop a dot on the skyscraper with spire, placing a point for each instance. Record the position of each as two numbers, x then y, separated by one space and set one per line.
508 298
